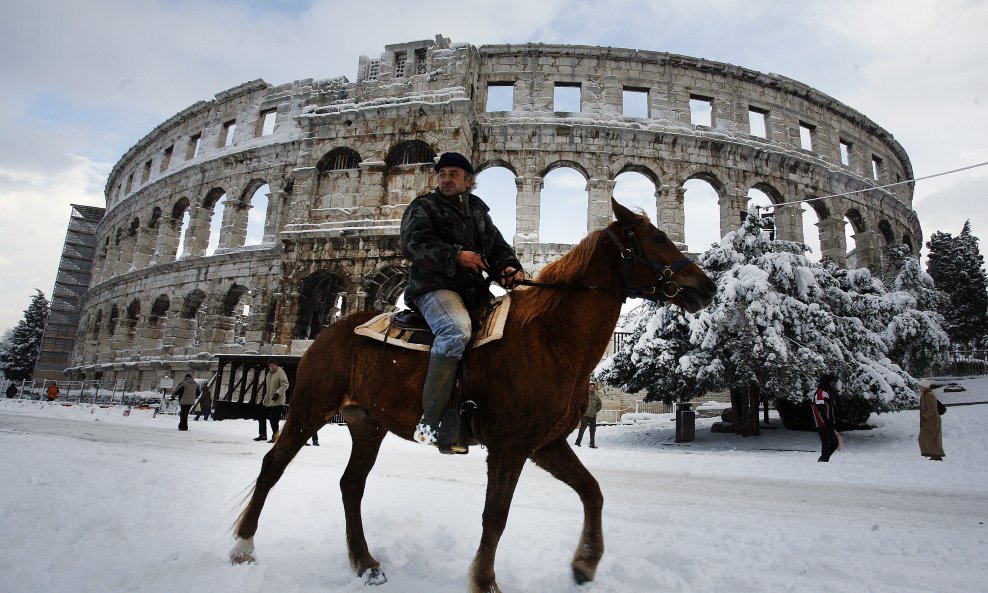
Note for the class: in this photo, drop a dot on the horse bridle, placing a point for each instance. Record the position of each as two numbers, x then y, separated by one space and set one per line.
631 256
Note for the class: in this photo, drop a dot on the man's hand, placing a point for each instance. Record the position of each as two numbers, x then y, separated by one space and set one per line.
510 277
472 261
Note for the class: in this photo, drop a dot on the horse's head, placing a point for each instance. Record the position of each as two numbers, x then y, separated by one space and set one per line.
653 268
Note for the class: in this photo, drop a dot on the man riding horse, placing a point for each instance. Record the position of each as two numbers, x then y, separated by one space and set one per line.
451 240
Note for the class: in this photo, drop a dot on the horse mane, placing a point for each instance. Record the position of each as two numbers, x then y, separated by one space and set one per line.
533 302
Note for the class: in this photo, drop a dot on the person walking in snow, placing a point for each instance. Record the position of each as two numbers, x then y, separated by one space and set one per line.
205 405
823 416
589 418
930 426
186 392
449 237
275 390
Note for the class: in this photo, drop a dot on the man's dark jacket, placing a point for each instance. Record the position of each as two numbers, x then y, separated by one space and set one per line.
435 229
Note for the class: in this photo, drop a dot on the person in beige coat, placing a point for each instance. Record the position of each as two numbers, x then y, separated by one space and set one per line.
589 419
930 433
275 389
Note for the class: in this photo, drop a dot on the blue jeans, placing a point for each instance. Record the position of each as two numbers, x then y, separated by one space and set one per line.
449 320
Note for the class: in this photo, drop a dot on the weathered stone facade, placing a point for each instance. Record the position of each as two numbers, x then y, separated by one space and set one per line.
343 159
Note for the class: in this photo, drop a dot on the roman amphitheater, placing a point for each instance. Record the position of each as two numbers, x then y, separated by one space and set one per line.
309 181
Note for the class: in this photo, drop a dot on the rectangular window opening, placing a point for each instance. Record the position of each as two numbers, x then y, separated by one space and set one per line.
845 153
806 136
226 137
566 98
420 61
146 174
166 158
130 183
373 69
701 111
500 96
193 149
266 122
634 102
876 168
401 59
758 122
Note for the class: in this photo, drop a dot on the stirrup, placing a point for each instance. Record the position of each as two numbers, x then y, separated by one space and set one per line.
425 434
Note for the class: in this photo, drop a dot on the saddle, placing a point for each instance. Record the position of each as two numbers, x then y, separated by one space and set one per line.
408 329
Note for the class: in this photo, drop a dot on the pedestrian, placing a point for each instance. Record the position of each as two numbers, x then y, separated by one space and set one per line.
315 439
590 416
205 405
930 426
186 392
275 390
824 417
450 239
11 390
53 391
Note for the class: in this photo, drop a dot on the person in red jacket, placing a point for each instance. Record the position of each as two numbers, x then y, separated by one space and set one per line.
823 416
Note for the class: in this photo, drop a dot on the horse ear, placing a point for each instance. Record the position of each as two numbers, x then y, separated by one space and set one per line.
620 212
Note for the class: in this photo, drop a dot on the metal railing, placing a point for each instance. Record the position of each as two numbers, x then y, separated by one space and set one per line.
91 391
967 363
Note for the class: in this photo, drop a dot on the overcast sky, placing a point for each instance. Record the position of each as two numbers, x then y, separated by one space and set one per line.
84 81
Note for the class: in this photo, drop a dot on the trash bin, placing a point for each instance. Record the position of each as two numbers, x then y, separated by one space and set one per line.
685 422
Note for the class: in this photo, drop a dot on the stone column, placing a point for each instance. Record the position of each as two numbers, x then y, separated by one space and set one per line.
832 241
599 192
732 204
144 248
197 235
234 227
527 206
125 254
167 244
789 223
303 192
284 330
672 216
867 253
179 335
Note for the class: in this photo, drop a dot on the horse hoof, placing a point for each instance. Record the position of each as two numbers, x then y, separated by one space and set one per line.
374 576
243 552
581 577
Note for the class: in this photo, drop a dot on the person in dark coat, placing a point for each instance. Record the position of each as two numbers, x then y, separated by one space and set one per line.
205 405
930 424
186 392
590 417
823 416
449 237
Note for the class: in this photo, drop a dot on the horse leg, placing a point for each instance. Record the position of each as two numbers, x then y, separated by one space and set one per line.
290 441
503 470
559 460
367 435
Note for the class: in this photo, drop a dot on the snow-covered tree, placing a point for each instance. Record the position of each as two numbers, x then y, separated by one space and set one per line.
20 354
957 268
777 323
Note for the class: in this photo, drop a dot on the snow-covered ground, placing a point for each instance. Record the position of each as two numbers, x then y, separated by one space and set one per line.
95 501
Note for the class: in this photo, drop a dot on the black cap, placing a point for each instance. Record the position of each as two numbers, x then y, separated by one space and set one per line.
454 159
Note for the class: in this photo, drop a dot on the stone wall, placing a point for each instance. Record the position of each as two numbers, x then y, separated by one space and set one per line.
337 162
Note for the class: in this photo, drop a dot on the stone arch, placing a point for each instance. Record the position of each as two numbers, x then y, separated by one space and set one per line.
885 231
97 324
135 227
258 214
232 298
385 287
493 163
640 169
564 203
321 302
338 184
210 221
192 304
159 309
111 323
408 170
134 310
155 220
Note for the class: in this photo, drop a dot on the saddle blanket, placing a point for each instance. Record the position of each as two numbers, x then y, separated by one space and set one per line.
383 329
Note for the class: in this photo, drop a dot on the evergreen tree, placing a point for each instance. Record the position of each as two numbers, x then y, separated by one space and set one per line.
957 268
17 360
777 323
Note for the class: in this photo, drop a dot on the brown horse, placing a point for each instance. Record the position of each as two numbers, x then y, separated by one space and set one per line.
531 387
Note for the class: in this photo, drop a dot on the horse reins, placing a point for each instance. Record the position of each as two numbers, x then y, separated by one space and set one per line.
631 256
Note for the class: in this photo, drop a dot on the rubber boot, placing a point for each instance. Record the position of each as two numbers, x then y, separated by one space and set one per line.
438 390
